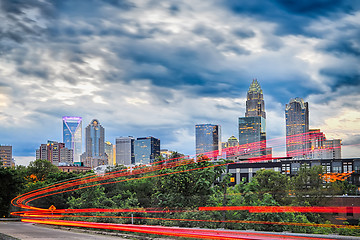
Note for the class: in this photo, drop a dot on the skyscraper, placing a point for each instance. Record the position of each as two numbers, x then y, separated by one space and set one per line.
109 150
95 144
55 152
125 154
208 140
252 127
255 105
146 150
72 135
95 139
297 128
321 148
6 159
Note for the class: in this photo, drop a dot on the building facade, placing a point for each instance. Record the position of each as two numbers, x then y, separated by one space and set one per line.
297 128
95 145
321 148
255 105
208 140
72 135
146 150
252 136
109 151
56 153
252 127
6 159
244 171
125 150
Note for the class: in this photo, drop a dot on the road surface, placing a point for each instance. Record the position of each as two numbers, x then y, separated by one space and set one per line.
30 231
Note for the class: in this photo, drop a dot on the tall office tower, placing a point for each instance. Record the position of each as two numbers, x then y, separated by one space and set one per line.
208 140
95 144
95 139
55 152
66 156
125 151
297 128
321 148
252 127
232 142
109 150
6 156
255 105
333 149
72 135
146 149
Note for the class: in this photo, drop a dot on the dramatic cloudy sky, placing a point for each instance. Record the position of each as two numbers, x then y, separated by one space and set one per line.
159 67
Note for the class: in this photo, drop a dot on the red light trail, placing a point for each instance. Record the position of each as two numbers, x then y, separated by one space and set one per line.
139 172
171 231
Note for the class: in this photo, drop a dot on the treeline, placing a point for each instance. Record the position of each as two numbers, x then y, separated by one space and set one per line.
179 191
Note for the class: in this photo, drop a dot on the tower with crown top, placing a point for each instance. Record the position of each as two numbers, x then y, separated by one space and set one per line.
255 105
252 127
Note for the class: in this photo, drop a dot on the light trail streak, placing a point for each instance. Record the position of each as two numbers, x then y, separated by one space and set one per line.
148 171
172 231
327 225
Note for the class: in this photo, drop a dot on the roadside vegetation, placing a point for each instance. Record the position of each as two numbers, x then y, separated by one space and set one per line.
180 191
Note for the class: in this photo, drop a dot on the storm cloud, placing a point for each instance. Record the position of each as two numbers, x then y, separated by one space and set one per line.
158 68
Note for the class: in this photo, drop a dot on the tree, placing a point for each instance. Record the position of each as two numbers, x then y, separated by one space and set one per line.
308 186
274 183
11 183
182 187
40 169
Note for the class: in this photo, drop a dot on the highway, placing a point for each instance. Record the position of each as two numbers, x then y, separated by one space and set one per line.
30 231
23 230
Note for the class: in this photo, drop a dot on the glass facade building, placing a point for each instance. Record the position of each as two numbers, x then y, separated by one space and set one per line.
95 139
72 135
297 128
252 135
252 127
255 105
109 150
146 150
6 156
125 154
207 139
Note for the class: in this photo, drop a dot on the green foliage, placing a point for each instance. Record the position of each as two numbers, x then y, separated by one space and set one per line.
92 197
309 188
11 183
273 183
182 187
40 169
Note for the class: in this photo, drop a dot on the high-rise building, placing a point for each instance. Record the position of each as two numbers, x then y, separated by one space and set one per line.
231 142
321 148
95 144
146 149
333 149
255 105
125 154
252 136
252 127
6 159
208 140
55 152
95 139
72 135
109 150
297 128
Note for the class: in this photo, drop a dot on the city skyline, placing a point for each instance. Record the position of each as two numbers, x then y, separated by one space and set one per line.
177 65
